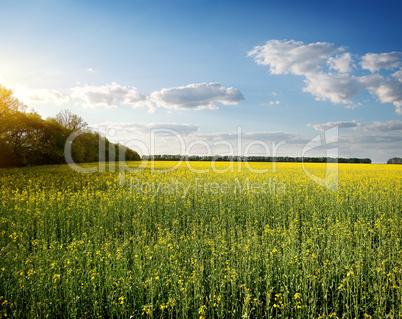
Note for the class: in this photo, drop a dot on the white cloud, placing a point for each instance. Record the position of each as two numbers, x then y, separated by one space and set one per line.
110 95
342 63
385 146
184 129
353 106
340 124
190 132
395 125
375 62
370 139
48 96
387 90
190 97
338 88
40 95
196 96
255 136
271 103
293 56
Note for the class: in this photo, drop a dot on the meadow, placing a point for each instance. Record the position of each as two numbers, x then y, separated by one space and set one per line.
185 244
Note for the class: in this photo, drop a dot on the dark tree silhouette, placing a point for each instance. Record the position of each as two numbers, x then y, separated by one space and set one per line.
395 160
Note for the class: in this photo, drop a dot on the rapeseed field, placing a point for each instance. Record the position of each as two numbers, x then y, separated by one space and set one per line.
264 241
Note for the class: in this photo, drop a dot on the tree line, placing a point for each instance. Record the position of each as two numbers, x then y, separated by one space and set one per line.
26 139
395 160
168 157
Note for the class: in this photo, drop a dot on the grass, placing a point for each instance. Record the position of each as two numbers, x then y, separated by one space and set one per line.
95 245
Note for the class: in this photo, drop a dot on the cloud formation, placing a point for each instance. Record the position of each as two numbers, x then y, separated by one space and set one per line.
192 131
256 136
47 96
387 90
384 126
338 88
41 95
196 96
109 95
327 69
375 62
395 125
357 139
293 56
341 63
184 129
340 124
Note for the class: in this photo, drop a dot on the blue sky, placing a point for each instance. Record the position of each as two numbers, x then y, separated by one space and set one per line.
280 70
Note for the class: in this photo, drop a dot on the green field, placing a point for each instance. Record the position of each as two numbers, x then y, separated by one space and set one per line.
182 244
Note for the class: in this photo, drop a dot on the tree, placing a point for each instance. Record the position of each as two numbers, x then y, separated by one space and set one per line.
26 139
47 145
70 121
395 160
10 107
12 133
8 102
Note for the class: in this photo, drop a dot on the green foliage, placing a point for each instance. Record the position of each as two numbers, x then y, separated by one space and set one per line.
26 139
84 246
70 121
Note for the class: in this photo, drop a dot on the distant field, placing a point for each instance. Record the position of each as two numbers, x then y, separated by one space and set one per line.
179 244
